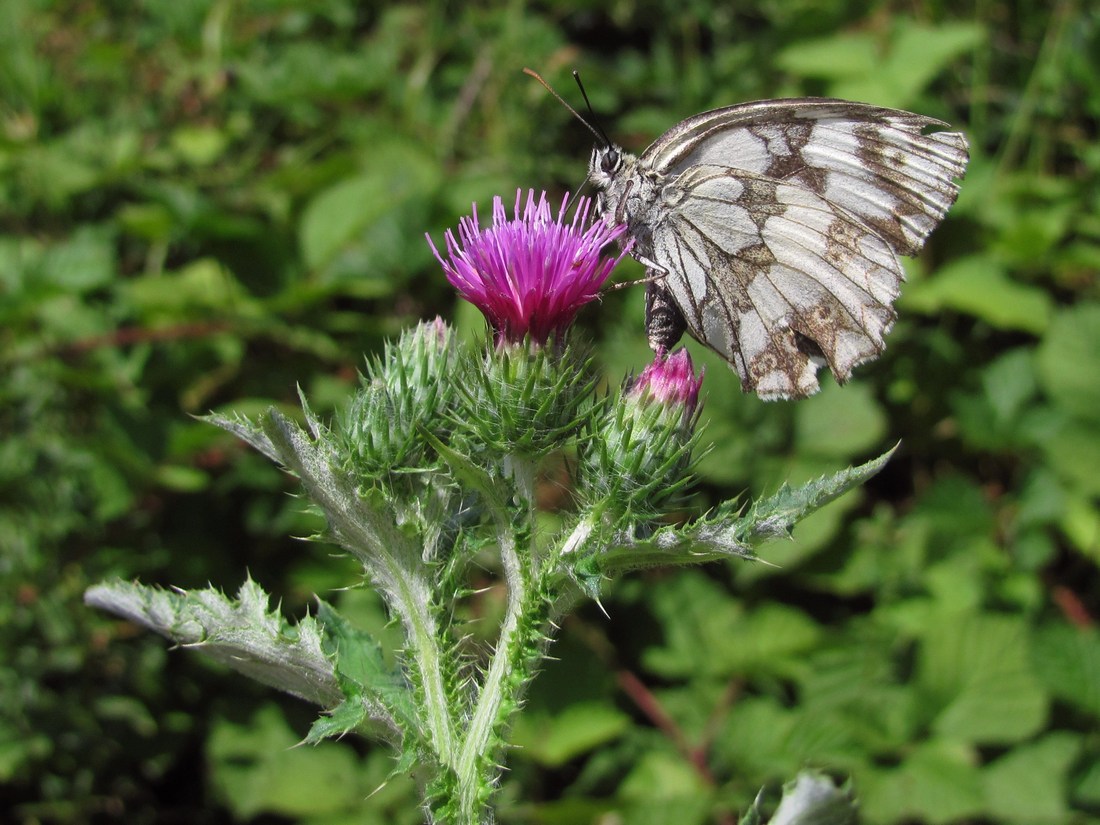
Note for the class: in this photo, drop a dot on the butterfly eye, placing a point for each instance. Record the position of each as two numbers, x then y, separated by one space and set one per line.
610 161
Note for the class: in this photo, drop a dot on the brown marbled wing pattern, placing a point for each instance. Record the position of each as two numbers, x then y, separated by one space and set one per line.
777 226
775 279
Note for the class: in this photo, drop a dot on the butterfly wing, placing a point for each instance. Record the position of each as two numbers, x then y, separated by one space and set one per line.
872 162
775 278
780 225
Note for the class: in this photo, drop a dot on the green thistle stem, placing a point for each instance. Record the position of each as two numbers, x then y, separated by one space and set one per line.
472 755
504 679
413 606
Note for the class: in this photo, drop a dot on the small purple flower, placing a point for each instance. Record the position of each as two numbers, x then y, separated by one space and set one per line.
532 274
669 380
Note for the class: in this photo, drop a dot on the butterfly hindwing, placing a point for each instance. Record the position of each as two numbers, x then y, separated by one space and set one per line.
775 279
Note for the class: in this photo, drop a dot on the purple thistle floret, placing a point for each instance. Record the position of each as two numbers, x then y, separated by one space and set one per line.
530 275
669 380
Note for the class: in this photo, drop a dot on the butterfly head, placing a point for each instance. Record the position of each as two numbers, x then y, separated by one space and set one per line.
605 165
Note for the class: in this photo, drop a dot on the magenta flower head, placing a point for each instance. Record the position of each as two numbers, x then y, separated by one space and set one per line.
531 274
669 380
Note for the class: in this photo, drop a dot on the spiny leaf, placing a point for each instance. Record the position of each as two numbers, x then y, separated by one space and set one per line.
344 718
721 536
242 634
774 516
245 430
473 476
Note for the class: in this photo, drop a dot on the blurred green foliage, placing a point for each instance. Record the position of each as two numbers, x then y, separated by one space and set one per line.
203 203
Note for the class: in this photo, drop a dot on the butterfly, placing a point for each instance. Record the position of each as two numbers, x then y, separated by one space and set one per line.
770 231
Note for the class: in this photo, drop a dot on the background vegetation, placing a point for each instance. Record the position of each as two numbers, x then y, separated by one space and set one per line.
204 203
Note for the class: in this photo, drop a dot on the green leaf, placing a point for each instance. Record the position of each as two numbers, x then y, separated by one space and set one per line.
1081 524
937 782
708 633
257 769
1067 360
345 212
1029 783
663 775
957 510
199 145
840 421
83 262
692 809
1086 791
197 289
555 739
1008 388
841 55
914 56
977 671
1073 451
755 739
919 53
980 286
1067 660
853 681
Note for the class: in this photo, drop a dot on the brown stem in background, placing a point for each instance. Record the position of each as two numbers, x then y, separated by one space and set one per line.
1072 607
651 707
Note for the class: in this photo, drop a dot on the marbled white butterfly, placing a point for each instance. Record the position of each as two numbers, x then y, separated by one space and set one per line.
771 231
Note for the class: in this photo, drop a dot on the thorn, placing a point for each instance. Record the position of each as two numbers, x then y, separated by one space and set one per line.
603 610
376 790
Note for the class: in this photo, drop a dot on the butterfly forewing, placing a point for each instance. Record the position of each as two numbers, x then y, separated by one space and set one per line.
874 162
776 227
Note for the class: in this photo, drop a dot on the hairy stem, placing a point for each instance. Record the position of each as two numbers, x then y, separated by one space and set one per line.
412 603
473 765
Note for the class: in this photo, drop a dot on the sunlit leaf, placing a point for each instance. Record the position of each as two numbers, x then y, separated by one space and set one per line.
978 671
1067 357
979 286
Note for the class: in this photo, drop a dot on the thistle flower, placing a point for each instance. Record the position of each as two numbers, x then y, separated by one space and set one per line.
530 275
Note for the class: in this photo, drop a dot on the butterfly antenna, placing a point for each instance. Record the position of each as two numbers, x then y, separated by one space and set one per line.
591 112
599 133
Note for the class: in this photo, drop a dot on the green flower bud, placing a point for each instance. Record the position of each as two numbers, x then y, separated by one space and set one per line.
408 390
524 399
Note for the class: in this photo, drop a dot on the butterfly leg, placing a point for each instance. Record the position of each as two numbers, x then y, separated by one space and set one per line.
654 272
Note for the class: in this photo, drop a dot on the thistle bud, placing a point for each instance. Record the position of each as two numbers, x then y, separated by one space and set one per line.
640 454
406 391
